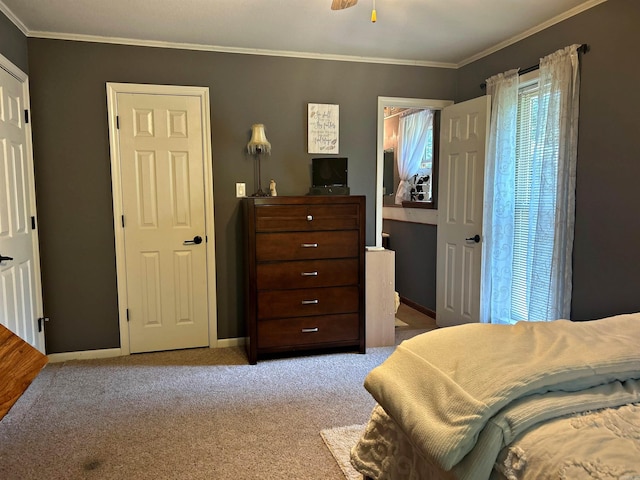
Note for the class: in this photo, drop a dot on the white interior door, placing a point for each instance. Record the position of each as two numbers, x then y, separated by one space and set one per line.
460 196
20 282
163 199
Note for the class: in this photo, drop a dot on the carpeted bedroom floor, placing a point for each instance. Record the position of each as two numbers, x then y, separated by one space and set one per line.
190 414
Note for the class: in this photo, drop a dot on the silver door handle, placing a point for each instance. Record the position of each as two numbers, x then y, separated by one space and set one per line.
309 302
309 245
310 330
309 274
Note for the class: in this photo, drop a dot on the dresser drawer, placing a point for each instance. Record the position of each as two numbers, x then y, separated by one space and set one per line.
304 273
307 274
308 330
306 246
281 218
307 302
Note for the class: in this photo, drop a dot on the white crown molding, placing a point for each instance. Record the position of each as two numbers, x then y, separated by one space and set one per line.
532 31
283 53
15 20
245 51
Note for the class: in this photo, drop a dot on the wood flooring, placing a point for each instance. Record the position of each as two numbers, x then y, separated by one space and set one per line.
413 318
20 363
413 323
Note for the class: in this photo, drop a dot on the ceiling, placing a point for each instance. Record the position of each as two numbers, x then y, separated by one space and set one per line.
447 33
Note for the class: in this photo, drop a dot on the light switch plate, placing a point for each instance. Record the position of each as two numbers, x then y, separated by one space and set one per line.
241 190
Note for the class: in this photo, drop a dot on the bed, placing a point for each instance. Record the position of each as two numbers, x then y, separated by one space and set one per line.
526 401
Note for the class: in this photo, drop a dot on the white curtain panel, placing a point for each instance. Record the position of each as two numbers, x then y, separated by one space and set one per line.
555 156
553 176
499 203
412 139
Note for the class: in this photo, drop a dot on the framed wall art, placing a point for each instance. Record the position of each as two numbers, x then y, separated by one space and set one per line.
324 128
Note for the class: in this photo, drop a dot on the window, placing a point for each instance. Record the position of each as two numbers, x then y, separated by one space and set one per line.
529 192
422 181
529 243
525 145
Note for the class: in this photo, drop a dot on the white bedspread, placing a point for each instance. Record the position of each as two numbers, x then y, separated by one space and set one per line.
462 393
602 444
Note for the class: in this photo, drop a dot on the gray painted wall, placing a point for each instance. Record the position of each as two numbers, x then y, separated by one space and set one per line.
13 44
606 257
68 98
605 260
415 246
73 173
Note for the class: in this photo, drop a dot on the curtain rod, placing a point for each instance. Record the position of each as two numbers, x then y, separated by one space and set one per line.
584 48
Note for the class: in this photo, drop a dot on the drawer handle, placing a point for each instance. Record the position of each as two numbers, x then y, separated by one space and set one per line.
309 245
309 302
310 330
309 274
309 218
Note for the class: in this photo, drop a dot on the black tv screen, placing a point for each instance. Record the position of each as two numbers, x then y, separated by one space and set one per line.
329 171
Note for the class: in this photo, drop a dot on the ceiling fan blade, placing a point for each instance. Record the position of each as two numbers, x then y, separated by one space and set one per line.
341 4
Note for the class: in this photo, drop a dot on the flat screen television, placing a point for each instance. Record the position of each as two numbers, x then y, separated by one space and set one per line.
329 171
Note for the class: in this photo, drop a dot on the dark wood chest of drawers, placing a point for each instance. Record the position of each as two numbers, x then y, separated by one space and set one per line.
304 273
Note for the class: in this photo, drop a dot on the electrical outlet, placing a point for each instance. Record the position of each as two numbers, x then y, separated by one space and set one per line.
241 190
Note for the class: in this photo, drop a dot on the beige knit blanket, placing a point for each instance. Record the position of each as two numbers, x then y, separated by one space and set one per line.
444 387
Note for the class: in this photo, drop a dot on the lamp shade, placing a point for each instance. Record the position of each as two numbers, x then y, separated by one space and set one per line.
258 142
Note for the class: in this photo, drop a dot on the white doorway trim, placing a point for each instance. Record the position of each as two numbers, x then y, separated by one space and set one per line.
113 89
394 102
37 338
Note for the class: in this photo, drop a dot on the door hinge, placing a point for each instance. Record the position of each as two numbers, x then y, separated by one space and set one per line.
26 116
117 122
41 321
33 223
127 314
122 221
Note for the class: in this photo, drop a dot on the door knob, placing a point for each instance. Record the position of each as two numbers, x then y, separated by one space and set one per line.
197 240
475 238
3 258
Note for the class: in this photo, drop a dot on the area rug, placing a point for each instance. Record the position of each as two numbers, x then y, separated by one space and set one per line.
340 440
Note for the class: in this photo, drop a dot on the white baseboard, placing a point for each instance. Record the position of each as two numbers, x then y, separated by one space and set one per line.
232 342
84 355
117 352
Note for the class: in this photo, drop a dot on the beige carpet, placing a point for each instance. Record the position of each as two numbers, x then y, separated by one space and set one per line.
340 440
199 414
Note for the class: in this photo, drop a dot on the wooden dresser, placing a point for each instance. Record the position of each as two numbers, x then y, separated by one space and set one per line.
304 273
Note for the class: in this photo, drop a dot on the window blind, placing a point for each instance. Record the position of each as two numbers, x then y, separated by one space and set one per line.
533 239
